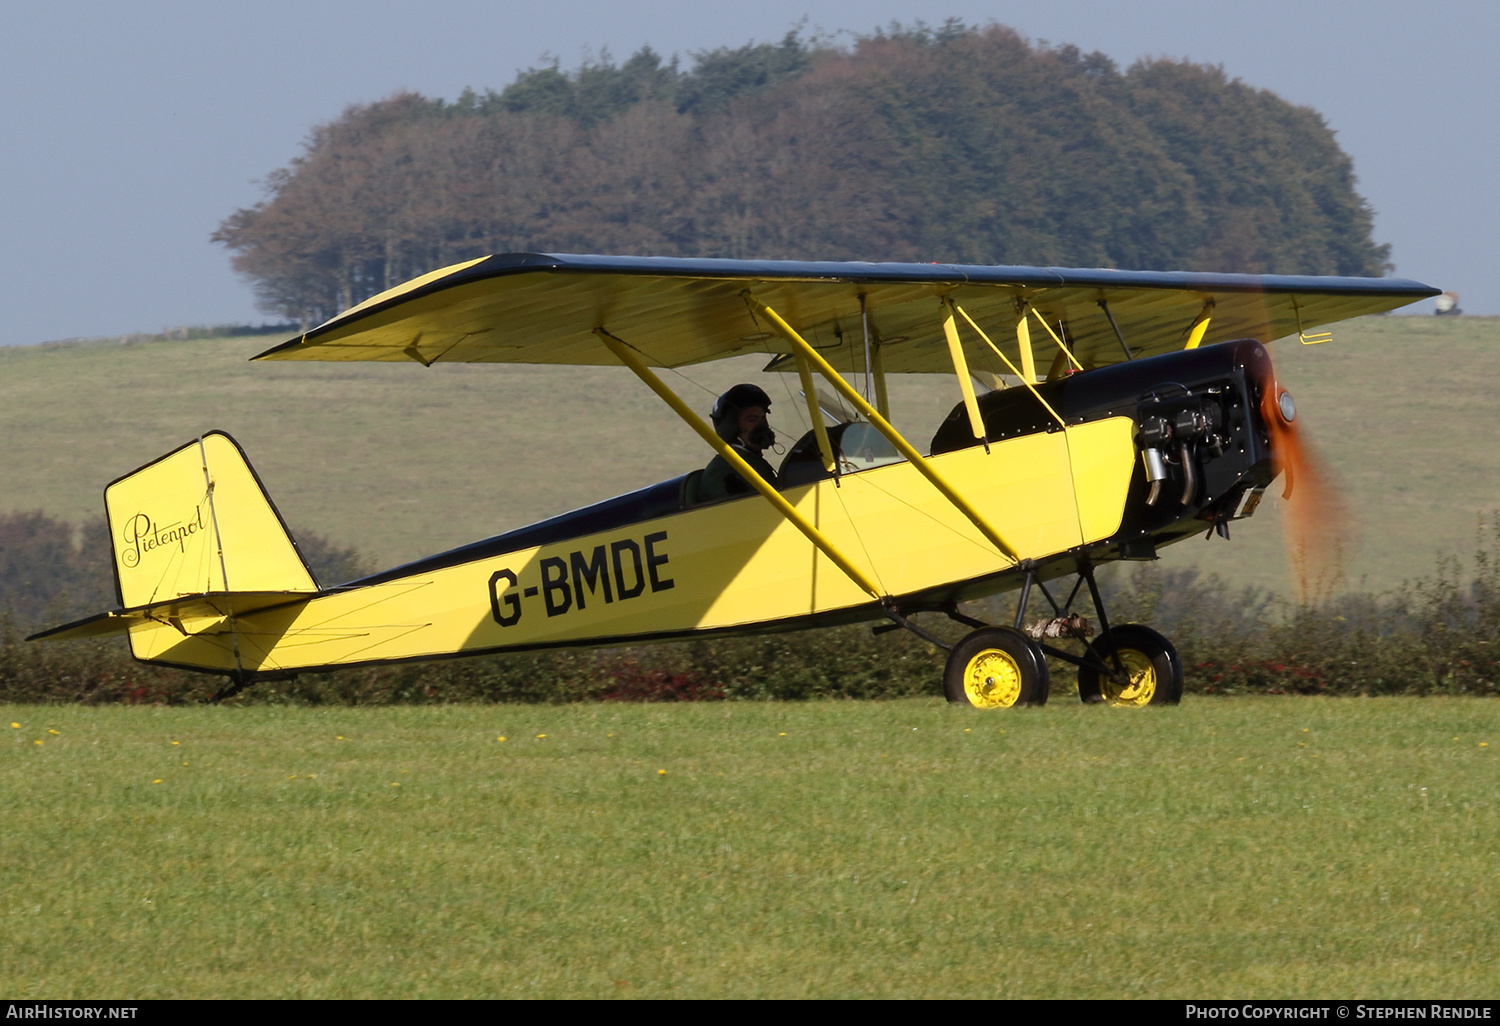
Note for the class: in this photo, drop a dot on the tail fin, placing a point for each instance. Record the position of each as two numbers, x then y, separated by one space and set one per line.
197 521
197 545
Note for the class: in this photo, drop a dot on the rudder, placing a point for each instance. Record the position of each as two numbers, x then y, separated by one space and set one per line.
197 521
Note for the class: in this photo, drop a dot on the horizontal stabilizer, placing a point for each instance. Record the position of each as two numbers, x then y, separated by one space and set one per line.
189 614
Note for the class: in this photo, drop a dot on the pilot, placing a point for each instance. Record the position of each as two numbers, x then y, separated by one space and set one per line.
739 417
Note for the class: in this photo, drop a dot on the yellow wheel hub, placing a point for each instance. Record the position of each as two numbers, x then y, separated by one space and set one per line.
992 680
1142 686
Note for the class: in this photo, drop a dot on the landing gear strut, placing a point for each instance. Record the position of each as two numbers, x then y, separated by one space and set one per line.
1003 667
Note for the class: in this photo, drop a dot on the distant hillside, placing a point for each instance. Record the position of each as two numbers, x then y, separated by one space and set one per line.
959 144
400 461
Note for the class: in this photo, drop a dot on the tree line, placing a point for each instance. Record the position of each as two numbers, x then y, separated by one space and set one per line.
956 144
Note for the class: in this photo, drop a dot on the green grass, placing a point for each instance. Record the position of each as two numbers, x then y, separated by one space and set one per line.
1227 848
401 462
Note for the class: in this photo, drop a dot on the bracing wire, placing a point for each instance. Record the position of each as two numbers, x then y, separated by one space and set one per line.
859 537
175 569
919 510
673 370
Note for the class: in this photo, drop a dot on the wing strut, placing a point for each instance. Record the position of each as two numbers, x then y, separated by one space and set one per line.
864 320
1104 305
800 345
961 368
1023 342
815 414
1200 326
629 358
882 402
1061 345
1024 380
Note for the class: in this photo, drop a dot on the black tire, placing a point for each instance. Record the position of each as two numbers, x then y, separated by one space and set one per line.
996 668
1149 658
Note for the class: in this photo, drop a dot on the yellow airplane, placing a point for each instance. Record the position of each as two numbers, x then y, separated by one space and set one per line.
1159 418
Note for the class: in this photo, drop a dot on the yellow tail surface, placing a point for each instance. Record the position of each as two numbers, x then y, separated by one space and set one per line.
197 521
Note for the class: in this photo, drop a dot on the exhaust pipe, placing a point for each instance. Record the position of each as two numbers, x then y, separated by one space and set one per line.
1156 473
1189 478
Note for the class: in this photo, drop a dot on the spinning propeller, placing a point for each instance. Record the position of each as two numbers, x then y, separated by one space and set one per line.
1316 521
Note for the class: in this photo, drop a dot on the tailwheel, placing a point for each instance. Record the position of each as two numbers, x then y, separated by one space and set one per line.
1144 669
996 668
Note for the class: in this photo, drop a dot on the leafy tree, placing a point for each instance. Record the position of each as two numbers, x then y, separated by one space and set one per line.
954 144
722 76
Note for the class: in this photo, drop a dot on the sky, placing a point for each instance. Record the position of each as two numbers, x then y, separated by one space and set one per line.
131 130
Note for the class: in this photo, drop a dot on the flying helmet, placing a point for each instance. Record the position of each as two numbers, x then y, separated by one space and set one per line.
726 414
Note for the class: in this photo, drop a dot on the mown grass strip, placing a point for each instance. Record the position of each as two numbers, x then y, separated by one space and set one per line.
1227 848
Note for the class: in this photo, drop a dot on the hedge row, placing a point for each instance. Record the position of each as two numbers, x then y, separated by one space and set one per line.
52 572
1437 636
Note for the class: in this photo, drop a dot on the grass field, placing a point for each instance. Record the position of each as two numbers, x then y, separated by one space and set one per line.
401 462
1227 848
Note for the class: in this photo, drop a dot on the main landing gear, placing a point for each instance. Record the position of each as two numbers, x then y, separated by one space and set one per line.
1140 668
1003 667
996 668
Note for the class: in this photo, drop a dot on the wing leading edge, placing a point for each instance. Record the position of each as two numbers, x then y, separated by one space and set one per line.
543 308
